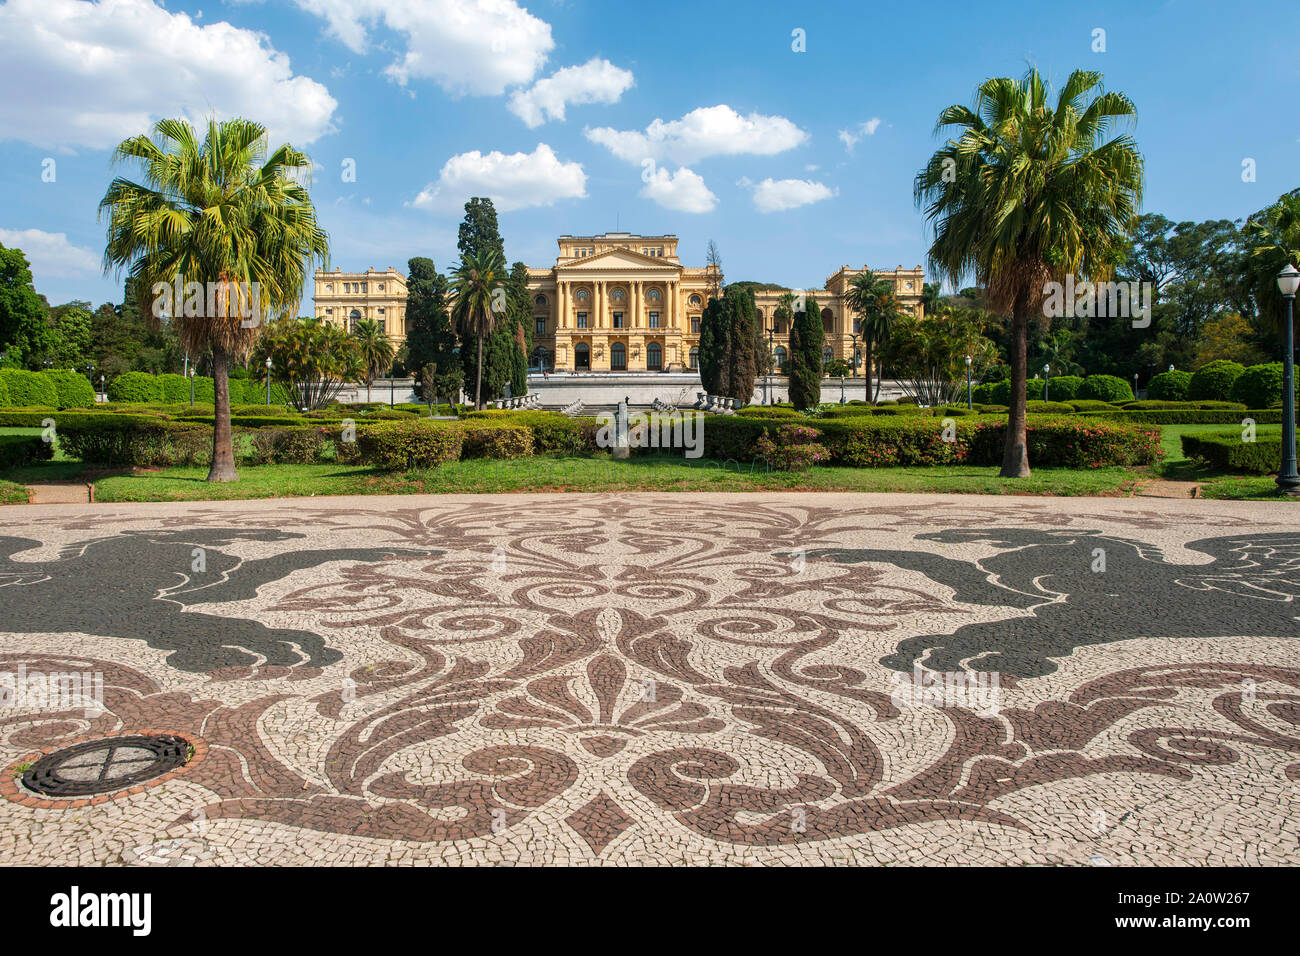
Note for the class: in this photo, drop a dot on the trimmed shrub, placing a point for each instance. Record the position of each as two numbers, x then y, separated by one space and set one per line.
1169 386
1105 388
1049 408
553 433
1073 442
1190 416
1260 386
28 389
992 409
408 445
1146 406
1227 452
1062 388
4 395
135 387
496 441
1001 391
1092 405
134 440
983 394
74 389
19 450
175 388
792 448
1214 380
773 411
294 445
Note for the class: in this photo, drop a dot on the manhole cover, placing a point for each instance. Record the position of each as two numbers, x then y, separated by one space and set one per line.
99 766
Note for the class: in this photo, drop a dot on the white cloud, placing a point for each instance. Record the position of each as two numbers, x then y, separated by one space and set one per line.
51 255
596 81
777 195
851 137
513 181
707 131
465 46
83 74
682 191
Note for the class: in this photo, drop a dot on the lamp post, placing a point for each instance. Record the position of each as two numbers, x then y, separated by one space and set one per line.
1045 383
770 397
189 372
103 389
268 380
1135 384
392 385
968 389
1288 280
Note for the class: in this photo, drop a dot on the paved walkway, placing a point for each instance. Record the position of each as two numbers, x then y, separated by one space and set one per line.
624 679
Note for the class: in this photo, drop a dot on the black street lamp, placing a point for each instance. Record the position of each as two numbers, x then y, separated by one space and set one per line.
771 361
189 372
968 389
1045 370
1288 280
268 380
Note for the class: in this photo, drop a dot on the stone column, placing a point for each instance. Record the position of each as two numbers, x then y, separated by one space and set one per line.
598 304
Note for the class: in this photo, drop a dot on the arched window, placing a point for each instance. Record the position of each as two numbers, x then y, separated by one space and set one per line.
780 358
541 359
695 302
759 312
581 356
618 357
617 296
353 318
652 295
828 320
540 300
582 295
827 354
695 357
654 357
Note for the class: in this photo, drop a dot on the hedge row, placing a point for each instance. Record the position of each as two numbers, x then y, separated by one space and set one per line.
58 388
1227 452
139 387
19 450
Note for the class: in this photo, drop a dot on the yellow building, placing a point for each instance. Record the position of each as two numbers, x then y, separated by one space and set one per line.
345 298
622 302
615 302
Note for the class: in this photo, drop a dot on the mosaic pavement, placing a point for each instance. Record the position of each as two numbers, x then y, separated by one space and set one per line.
664 679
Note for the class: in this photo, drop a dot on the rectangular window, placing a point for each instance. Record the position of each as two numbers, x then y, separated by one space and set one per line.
654 320
582 320
363 287
381 311
695 325
541 326
618 320
329 311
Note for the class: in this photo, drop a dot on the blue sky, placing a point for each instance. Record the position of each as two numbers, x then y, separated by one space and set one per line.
433 101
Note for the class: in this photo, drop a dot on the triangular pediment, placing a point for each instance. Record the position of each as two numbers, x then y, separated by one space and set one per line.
619 259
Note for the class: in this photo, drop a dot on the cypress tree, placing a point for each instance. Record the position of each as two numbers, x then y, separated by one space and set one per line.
743 355
806 335
430 336
713 341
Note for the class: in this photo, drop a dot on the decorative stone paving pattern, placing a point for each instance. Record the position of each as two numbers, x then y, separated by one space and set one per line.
639 679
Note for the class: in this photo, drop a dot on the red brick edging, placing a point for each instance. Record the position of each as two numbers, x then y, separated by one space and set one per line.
11 789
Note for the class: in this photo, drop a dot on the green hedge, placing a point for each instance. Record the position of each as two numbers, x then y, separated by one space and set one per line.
496 440
1073 441
1227 452
1000 393
5 401
135 387
29 388
1092 405
1063 388
73 389
1214 380
1169 386
407 445
1260 386
292 445
135 440
1105 388
19 450
553 433
1190 416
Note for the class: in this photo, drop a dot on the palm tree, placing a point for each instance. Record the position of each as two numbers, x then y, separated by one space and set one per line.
375 348
207 212
478 285
872 298
1025 193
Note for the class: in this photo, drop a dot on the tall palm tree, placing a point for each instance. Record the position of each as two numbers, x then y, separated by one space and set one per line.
872 298
475 284
1025 193
207 212
375 348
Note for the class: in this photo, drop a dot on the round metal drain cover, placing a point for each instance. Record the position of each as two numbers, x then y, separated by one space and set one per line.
99 766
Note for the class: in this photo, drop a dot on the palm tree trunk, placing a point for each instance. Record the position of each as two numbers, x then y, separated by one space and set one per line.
223 451
367 387
1015 453
478 377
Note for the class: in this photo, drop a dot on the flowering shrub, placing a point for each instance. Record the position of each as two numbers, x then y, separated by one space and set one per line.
793 448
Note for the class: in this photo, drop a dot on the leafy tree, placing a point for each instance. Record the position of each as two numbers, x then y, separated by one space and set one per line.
72 335
208 212
1228 336
24 333
442 381
430 336
928 352
1026 193
374 349
715 332
806 336
713 263
1273 241
476 306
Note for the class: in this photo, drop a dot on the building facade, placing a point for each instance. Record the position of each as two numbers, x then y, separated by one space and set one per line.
345 298
620 302
617 302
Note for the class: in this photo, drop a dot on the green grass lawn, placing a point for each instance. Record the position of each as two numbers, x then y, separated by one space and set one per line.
594 475
1214 484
